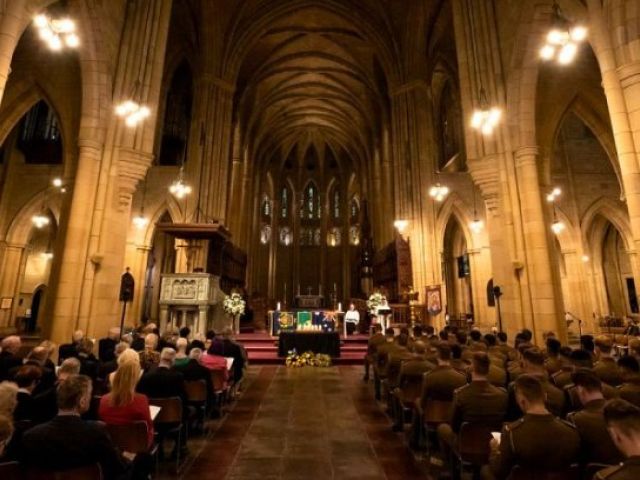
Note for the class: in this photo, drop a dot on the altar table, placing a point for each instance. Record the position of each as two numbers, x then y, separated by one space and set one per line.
316 342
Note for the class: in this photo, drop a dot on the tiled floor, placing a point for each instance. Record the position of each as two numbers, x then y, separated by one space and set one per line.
306 423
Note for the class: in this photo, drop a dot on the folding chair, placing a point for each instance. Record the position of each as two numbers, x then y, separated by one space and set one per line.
169 421
197 398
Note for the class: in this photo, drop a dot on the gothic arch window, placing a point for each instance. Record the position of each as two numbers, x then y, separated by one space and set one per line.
450 122
266 208
285 203
177 117
39 136
336 211
311 209
354 210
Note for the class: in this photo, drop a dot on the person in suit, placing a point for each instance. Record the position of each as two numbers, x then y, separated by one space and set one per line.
605 368
596 445
630 388
46 403
27 379
537 442
67 441
9 359
533 364
88 362
376 339
623 423
194 371
38 358
107 345
163 381
67 350
232 349
478 402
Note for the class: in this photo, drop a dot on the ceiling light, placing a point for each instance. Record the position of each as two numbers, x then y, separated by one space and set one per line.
40 220
401 225
476 225
132 112
563 39
585 258
557 227
486 119
57 182
57 32
439 192
47 255
554 194
140 221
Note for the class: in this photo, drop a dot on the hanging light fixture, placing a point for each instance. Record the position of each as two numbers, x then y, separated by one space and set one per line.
485 117
179 188
401 225
40 220
57 182
57 33
439 192
585 258
561 42
554 194
557 226
132 112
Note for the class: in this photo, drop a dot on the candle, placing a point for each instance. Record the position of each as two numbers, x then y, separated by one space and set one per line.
278 306
339 306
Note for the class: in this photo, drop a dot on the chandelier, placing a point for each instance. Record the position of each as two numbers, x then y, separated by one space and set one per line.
140 221
557 226
401 225
476 225
40 220
132 112
554 194
561 43
57 32
439 192
179 188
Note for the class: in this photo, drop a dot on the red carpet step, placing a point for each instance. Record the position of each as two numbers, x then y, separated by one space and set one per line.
263 349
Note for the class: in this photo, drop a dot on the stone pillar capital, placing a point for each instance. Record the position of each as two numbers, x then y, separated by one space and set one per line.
132 167
629 74
526 154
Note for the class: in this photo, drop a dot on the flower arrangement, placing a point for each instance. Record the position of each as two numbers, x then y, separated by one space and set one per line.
375 300
307 359
233 304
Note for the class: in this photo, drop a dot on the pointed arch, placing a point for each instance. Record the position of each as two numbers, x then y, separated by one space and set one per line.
20 226
613 212
454 207
169 206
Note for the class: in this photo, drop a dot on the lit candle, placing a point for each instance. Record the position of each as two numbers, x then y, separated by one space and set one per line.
278 306
339 306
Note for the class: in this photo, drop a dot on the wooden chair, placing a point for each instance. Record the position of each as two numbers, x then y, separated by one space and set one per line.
132 438
472 446
519 473
434 413
197 398
169 421
220 390
10 470
91 472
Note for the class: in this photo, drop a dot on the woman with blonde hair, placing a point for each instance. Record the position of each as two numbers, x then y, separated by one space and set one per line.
123 405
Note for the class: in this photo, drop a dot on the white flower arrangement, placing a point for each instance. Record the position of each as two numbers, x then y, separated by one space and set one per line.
233 304
375 300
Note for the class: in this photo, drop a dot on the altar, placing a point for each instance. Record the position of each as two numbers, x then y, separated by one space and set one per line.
327 343
304 320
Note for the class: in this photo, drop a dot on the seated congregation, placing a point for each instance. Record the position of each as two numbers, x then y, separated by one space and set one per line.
475 403
110 416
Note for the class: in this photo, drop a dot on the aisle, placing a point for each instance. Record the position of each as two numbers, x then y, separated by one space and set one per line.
303 423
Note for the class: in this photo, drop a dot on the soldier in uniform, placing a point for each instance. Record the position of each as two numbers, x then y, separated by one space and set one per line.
376 339
477 402
538 442
554 362
563 376
605 368
623 423
630 388
597 446
533 364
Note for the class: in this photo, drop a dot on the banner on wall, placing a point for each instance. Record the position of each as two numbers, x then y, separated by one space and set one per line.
434 299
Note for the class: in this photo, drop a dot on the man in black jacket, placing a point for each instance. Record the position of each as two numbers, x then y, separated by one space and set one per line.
67 441
9 355
162 381
107 346
194 371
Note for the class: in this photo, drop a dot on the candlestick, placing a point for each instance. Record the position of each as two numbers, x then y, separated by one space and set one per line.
278 306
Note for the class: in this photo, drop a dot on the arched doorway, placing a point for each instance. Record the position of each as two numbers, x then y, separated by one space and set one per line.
456 271
161 259
31 324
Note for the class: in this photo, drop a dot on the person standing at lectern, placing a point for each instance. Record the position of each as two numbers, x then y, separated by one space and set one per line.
352 319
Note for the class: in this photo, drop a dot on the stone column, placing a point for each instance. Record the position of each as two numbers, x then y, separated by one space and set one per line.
15 18
13 257
544 295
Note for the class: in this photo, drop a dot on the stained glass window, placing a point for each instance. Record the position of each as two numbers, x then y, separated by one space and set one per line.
284 203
